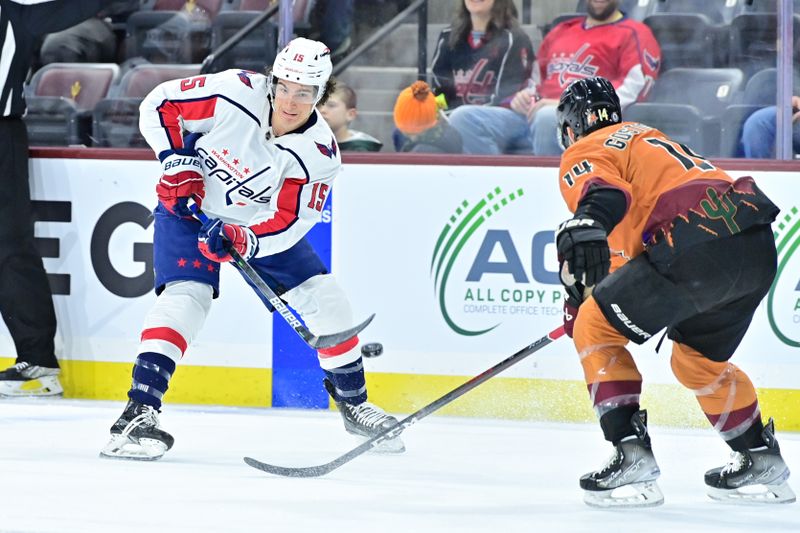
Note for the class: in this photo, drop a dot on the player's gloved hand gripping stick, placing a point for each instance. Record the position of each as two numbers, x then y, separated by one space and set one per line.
314 341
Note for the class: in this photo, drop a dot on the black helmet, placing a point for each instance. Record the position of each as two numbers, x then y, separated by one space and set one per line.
587 105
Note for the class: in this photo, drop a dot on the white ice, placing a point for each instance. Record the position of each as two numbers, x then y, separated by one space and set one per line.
458 475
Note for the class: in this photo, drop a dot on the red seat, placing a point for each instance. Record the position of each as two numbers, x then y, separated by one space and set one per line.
60 99
84 84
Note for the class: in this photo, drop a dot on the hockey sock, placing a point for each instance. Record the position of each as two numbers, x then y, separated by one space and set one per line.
151 375
349 383
616 424
749 439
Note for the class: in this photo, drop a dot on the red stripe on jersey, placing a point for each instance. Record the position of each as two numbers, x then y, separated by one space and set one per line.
288 208
165 334
735 418
339 349
171 111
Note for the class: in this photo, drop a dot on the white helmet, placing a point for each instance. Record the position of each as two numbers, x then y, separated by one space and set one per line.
305 62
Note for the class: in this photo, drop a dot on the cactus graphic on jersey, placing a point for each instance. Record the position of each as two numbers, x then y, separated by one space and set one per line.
463 224
783 300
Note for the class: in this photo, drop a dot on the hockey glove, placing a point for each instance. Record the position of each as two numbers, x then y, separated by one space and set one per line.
182 179
583 247
575 296
216 239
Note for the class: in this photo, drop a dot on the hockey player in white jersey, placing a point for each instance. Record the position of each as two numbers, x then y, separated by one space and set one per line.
252 150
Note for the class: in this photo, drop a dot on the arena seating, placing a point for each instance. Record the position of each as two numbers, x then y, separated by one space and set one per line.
60 99
115 120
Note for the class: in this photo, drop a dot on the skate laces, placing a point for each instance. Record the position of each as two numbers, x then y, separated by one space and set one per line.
736 463
615 457
368 415
148 417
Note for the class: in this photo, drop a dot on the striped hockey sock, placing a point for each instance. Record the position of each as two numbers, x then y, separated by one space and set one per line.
151 375
349 383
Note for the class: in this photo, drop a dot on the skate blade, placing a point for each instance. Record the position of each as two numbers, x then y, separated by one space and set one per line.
121 447
42 386
754 494
643 494
394 445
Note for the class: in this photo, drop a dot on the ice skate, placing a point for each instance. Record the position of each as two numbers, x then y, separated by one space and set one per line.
367 420
136 435
757 475
24 379
628 479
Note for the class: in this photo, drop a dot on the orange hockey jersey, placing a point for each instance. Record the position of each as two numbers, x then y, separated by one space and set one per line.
668 187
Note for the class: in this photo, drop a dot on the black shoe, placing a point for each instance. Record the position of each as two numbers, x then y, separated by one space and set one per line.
366 420
632 466
136 435
761 470
24 379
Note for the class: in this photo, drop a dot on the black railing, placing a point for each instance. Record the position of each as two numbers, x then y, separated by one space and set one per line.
208 62
421 8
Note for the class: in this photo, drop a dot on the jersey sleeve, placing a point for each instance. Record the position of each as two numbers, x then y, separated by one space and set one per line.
515 72
442 81
588 164
298 202
639 61
179 106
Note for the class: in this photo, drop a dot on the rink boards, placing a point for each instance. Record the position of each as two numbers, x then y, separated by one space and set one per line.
457 261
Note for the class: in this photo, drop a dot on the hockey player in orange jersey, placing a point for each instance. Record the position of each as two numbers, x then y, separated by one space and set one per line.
688 249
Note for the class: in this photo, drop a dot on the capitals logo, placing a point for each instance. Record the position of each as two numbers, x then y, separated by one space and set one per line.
328 151
244 77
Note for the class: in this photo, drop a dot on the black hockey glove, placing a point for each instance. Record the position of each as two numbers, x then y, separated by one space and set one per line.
583 248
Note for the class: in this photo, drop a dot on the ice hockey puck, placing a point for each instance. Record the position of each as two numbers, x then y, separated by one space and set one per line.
372 349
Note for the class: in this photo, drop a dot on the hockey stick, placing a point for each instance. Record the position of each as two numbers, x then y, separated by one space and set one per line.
314 341
321 470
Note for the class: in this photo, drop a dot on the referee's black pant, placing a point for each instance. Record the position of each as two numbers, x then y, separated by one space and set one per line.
26 303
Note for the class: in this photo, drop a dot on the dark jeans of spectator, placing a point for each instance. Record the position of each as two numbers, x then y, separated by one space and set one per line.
91 41
759 132
26 303
334 22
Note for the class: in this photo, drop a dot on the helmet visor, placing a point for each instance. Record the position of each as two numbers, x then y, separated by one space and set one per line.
299 94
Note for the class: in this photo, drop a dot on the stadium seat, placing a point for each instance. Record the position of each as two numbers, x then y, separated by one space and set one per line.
172 31
115 120
60 98
635 9
753 41
558 20
717 11
760 91
683 123
765 6
254 52
697 96
686 40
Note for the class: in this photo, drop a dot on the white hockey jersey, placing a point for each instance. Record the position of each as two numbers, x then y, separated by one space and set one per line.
275 185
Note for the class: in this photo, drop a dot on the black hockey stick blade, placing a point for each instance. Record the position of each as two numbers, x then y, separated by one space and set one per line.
314 341
390 433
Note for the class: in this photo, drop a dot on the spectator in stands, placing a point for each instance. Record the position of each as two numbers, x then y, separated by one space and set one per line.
483 58
421 126
339 111
760 128
604 43
26 302
332 23
91 41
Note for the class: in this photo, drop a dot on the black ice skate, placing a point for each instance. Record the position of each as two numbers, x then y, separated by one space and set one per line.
757 475
24 379
367 420
628 478
136 435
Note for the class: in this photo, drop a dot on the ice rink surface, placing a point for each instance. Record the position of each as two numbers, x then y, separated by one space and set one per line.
458 475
